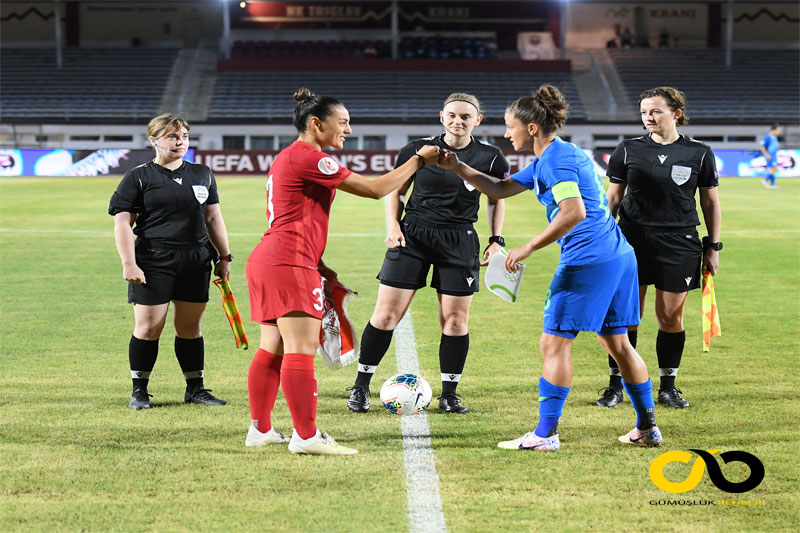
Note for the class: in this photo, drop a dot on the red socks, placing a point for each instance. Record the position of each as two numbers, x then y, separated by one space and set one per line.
263 381
300 389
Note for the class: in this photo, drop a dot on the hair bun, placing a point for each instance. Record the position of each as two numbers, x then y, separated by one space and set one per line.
303 95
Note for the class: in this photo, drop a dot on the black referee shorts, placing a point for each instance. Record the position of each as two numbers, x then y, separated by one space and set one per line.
171 274
452 250
670 260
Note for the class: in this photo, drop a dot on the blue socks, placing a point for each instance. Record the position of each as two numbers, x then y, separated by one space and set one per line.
641 395
551 403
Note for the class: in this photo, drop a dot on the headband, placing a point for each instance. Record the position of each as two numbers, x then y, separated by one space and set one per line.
461 100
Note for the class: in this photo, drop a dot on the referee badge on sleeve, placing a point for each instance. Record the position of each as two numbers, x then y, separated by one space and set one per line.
681 175
201 193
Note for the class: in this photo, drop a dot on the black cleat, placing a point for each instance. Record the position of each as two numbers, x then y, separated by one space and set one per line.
451 403
202 396
609 397
359 399
672 398
140 399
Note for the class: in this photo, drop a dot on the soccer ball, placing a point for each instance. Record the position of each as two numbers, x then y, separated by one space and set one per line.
406 394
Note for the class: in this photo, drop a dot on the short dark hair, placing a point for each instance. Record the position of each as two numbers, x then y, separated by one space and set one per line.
310 105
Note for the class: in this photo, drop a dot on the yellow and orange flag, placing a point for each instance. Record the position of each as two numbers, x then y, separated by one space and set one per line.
232 312
710 315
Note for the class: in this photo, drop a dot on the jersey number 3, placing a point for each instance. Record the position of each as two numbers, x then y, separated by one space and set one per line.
319 296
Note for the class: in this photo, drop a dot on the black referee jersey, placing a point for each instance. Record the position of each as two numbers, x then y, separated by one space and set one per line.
439 196
662 180
170 205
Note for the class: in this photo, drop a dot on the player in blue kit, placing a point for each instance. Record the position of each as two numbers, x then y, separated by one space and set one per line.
595 285
769 147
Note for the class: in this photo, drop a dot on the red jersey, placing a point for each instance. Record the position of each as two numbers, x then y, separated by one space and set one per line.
300 189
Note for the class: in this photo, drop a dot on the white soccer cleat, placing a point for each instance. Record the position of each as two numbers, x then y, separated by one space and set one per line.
320 444
650 438
256 438
529 441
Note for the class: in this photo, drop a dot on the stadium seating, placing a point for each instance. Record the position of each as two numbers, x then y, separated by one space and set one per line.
377 96
430 47
438 47
310 49
760 86
96 84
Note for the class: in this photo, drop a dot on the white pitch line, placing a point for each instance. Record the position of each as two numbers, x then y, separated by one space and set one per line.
425 511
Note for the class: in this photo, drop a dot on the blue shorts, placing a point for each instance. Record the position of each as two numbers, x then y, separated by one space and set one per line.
602 298
773 162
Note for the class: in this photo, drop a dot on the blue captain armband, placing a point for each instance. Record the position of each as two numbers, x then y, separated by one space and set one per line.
565 189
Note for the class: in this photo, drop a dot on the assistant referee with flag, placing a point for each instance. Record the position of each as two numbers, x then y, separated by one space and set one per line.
165 213
654 180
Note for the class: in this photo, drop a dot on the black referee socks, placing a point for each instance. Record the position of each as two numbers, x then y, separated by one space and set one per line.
669 348
142 356
374 345
452 357
191 357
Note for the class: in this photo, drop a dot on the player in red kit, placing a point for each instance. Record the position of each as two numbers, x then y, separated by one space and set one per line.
283 272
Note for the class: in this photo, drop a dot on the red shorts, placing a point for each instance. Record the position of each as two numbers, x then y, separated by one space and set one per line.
276 291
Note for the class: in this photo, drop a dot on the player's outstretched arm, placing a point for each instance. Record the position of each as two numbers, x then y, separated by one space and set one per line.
380 187
488 185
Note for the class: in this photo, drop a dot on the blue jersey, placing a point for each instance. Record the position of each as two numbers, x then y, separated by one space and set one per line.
770 144
597 238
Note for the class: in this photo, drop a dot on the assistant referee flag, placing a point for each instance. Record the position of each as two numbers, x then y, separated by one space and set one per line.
232 312
710 315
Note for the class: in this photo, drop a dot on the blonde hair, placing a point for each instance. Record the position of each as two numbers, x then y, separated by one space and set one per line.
157 126
464 97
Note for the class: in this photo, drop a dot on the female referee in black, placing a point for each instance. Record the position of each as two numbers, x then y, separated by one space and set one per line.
175 208
661 172
437 230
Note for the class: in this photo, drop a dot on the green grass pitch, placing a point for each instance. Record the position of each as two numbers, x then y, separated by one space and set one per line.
74 458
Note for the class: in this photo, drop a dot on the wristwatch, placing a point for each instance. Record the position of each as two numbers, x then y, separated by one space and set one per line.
713 245
498 239
227 258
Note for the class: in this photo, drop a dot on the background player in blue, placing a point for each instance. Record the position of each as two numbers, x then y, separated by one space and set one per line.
435 229
594 287
769 147
654 180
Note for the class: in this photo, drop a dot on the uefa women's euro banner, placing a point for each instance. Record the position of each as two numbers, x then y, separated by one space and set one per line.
742 163
247 162
34 162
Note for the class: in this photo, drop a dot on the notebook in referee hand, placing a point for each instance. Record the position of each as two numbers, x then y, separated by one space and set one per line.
500 281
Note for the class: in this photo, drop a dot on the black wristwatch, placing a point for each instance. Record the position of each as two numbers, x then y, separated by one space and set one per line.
713 245
498 239
227 258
